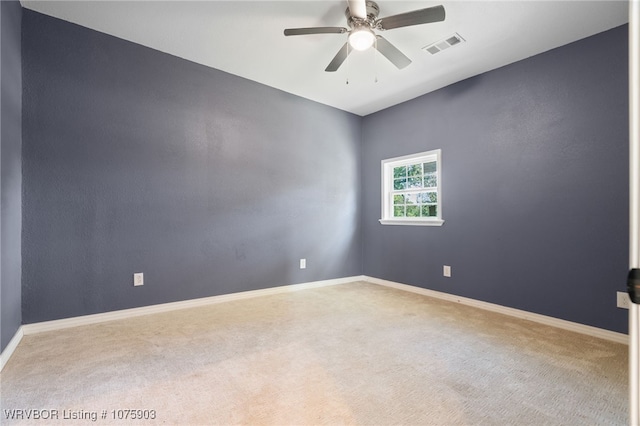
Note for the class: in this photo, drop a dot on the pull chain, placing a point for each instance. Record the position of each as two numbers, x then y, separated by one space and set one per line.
375 61
347 59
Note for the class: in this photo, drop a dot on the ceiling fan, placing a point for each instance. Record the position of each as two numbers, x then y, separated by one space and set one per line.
362 19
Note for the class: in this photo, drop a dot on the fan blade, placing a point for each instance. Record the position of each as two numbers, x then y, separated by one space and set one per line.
314 30
339 58
392 53
358 8
417 17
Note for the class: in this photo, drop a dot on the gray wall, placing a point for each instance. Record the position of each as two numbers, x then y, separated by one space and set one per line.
11 169
535 185
137 161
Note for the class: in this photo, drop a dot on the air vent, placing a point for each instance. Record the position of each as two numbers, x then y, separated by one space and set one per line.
441 45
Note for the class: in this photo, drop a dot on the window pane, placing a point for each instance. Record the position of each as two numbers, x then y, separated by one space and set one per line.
430 167
399 172
412 198
429 211
398 199
398 211
413 211
428 197
430 180
400 184
414 170
415 182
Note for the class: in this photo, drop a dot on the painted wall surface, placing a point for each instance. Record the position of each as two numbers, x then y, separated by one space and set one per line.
535 185
138 161
11 170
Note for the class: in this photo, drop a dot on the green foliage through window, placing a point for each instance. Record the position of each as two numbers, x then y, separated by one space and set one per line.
411 177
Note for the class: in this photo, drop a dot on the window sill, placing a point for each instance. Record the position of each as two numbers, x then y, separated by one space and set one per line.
412 222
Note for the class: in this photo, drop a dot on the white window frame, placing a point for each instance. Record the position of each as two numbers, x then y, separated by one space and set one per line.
388 165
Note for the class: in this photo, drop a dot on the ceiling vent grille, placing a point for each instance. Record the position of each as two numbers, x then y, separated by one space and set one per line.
441 45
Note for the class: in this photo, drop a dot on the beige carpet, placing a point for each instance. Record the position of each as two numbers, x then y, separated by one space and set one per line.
348 354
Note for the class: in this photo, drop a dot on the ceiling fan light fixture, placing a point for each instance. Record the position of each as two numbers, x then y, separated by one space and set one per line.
361 38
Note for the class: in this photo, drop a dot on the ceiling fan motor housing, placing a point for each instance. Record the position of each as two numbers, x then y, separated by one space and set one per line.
372 14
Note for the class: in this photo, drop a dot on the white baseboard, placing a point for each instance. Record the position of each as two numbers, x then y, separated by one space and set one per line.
542 319
172 306
11 347
41 327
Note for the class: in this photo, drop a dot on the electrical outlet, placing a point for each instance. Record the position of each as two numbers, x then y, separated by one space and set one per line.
138 279
446 271
303 263
623 300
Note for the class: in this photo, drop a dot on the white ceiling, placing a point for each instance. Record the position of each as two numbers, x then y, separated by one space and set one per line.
246 38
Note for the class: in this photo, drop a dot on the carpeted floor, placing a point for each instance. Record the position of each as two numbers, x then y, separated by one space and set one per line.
356 353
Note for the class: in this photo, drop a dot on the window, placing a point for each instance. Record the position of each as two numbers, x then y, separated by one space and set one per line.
411 190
